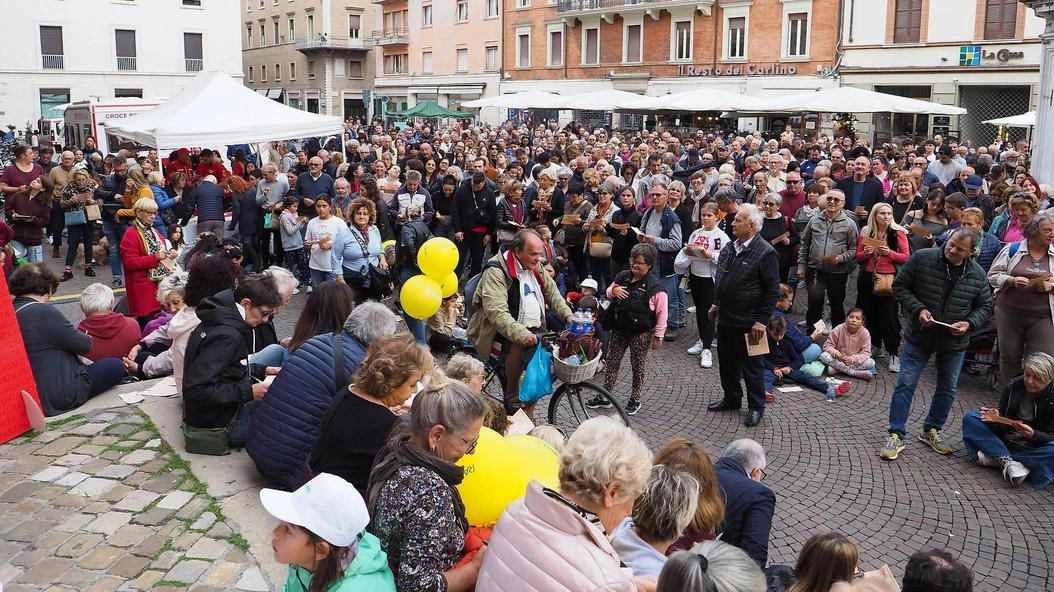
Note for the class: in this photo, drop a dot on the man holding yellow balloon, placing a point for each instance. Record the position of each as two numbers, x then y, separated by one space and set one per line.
509 306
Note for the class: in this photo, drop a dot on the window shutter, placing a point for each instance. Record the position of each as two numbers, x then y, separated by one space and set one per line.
125 43
51 41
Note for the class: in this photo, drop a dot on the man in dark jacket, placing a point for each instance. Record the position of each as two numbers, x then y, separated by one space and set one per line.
111 193
208 198
661 227
943 293
746 290
749 504
862 190
311 184
219 389
475 218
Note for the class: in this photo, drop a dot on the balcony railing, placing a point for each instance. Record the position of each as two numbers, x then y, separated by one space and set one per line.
125 63
391 37
322 43
621 5
195 65
52 62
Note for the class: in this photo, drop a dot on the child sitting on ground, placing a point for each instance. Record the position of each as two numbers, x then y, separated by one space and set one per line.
441 329
848 348
321 534
784 361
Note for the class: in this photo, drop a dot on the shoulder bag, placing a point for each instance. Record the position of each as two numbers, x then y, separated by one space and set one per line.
75 217
882 283
380 279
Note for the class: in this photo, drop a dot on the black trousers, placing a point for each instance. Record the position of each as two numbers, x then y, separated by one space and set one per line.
470 253
881 315
703 295
831 285
733 363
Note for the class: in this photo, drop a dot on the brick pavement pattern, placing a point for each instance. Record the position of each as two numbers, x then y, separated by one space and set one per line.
100 502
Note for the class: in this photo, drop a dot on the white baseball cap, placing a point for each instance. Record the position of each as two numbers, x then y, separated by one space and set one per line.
326 505
590 283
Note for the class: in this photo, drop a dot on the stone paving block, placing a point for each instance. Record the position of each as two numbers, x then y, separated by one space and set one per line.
29 465
122 429
141 436
117 493
29 530
46 571
89 449
153 516
49 492
88 429
150 546
69 501
73 459
237 555
163 483
136 479
252 580
175 500
138 457
79 545
116 471
20 491
9 549
106 416
61 446
94 466
166 560
111 455
220 530
105 440
207 548
94 487
106 584
53 539
204 522
9 572
49 436
129 535
30 556
187 571
70 479
154 466
146 580
171 528
78 577
29 506
100 557
129 566
154 443
49 474
193 509
223 573
96 508
186 540
136 500
109 522
206 589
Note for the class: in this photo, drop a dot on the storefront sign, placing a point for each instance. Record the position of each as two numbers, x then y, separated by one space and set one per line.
972 55
737 70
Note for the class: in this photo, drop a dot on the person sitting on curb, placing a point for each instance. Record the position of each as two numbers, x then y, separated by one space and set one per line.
112 333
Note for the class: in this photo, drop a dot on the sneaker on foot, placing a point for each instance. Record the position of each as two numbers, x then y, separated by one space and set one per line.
598 402
892 448
690 310
89 272
841 388
296 291
935 439
696 348
989 461
894 363
310 289
861 374
706 358
770 397
672 333
67 275
117 281
632 407
1015 472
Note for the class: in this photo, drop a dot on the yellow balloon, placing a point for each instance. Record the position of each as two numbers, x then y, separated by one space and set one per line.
448 285
498 472
420 297
437 257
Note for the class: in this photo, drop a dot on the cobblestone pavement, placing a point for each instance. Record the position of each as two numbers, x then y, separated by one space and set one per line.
100 502
823 466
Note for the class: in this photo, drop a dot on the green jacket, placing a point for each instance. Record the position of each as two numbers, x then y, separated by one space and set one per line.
492 314
368 571
920 284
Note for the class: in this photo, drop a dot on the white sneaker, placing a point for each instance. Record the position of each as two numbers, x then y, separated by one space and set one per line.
988 461
310 289
690 310
1014 472
706 359
827 327
695 349
894 363
296 291
801 323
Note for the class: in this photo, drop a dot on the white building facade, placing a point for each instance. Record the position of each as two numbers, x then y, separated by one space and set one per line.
60 51
982 55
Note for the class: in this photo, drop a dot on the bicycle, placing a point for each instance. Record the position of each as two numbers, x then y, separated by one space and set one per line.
567 405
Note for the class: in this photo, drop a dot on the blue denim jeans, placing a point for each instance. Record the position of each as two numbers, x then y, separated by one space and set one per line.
913 360
114 232
979 436
238 433
318 276
675 300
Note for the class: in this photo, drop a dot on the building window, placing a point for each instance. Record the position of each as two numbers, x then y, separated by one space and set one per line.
187 3
278 72
292 70
354 26
310 26
312 104
591 46
798 34
1000 19
523 48
263 73
632 43
556 48
311 68
426 62
125 49
51 53
50 99
276 33
395 64
354 69
128 93
426 15
251 77
523 3
192 52
263 35
492 58
249 6
462 11
492 8
737 38
907 23
682 40
292 29
249 36
462 60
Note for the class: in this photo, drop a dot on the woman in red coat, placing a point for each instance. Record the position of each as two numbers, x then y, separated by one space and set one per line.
147 259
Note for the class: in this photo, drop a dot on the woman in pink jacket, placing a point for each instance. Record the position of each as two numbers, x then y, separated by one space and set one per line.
558 541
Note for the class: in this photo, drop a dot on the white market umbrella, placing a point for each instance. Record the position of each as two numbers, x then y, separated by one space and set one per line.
531 99
605 100
853 100
1023 120
704 99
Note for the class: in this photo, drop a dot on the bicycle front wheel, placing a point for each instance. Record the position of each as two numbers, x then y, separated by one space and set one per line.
572 404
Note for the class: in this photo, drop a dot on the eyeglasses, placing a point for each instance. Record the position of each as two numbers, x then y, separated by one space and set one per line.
768 203
789 182
470 443
835 199
266 314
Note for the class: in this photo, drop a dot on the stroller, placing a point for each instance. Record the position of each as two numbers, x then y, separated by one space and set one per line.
982 354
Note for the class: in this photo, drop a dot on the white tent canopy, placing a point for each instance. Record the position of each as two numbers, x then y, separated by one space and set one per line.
531 99
1023 120
216 109
706 99
609 99
853 100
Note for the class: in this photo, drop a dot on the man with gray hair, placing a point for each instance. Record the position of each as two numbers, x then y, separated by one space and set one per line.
286 421
209 200
749 504
745 293
826 256
112 334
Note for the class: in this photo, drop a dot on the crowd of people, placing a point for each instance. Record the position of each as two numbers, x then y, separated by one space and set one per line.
551 224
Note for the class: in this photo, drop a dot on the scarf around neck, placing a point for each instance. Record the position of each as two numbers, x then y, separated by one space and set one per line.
399 452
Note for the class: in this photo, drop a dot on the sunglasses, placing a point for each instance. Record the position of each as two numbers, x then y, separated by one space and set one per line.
768 203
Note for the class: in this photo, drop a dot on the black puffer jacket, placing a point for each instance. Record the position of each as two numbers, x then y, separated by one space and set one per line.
1043 416
923 284
216 379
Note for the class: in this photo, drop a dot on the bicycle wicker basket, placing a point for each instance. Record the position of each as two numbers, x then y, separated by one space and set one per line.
573 374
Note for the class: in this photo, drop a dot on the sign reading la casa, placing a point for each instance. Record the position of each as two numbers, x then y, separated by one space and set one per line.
738 70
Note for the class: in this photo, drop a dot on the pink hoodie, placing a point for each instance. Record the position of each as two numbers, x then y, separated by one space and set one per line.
858 346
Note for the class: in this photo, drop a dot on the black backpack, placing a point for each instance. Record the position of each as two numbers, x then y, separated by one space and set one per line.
632 315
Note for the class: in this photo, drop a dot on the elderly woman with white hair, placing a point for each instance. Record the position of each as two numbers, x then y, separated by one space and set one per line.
112 333
146 258
712 565
659 519
604 467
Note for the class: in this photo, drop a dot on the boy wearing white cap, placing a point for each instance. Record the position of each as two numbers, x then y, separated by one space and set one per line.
321 536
